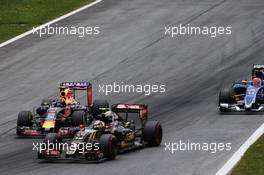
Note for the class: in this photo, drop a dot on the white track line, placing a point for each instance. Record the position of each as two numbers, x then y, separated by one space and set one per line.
229 165
49 23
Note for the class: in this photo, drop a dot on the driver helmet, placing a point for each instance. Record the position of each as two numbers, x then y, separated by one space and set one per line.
256 81
98 124
65 92
107 117
67 95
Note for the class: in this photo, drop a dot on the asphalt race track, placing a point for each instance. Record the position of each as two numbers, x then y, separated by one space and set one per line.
132 48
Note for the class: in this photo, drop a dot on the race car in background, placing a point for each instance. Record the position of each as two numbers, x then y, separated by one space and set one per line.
244 95
112 132
62 115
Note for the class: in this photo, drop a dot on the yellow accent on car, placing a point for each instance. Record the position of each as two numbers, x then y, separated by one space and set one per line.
48 124
244 82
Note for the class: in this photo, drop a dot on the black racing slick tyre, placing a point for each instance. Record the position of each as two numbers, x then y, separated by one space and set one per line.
40 155
108 146
53 138
97 105
24 118
226 95
152 133
79 118
52 141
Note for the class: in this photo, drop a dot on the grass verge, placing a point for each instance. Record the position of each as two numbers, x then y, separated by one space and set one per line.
252 163
19 16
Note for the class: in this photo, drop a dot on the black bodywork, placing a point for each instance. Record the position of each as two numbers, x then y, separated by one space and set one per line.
118 134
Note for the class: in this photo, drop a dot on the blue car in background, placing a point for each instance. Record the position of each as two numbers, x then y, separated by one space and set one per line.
244 95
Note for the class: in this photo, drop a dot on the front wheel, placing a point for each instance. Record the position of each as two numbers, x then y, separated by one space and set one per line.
108 145
24 118
226 95
51 142
53 138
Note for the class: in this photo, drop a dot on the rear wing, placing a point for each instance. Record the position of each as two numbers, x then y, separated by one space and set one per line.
141 109
80 86
258 66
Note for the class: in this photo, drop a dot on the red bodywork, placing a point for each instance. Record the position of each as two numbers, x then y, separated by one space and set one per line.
66 131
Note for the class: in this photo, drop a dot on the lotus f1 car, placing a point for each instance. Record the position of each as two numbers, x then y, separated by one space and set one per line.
62 115
111 132
244 95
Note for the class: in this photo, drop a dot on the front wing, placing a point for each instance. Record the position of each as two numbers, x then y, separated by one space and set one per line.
238 108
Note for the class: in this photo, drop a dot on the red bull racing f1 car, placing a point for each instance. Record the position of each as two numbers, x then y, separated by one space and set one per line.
63 115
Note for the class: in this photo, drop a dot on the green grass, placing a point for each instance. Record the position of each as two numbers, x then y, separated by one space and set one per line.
18 16
252 163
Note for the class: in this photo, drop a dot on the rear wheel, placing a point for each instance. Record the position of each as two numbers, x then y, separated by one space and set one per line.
79 118
152 133
108 145
98 105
